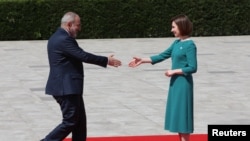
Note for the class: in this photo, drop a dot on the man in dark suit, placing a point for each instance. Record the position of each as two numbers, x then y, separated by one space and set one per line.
65 81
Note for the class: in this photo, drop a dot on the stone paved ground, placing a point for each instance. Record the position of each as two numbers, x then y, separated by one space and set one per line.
124 101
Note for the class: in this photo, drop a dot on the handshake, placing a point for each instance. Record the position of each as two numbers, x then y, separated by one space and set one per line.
116 63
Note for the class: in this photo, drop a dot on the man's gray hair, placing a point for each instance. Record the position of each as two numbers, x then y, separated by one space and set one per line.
68 17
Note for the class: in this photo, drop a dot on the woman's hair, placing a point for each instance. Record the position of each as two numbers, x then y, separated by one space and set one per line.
184 24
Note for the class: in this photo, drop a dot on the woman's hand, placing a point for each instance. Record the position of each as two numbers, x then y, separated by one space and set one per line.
135 62
169 73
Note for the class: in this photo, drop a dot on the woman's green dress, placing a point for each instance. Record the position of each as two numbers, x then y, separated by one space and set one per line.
179 107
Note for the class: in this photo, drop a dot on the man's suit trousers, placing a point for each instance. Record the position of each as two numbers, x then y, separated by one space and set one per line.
74 119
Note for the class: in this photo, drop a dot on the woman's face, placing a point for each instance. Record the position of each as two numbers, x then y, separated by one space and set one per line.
175 30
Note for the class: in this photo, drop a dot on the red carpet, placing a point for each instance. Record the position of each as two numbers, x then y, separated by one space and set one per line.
193 137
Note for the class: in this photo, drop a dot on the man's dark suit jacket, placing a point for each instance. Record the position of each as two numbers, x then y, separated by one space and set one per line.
66 59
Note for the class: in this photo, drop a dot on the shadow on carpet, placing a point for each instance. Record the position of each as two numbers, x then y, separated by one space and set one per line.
193 137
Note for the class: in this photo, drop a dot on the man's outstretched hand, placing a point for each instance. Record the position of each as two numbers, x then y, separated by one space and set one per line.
113 61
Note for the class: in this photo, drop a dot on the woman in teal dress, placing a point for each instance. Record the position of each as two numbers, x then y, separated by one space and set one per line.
179 107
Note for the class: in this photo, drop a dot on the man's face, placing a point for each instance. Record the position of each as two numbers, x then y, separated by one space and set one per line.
75 27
